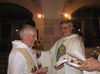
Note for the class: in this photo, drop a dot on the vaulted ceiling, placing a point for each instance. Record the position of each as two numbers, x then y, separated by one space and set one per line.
54 8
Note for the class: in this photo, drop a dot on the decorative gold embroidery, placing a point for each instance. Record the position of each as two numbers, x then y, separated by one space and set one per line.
30 63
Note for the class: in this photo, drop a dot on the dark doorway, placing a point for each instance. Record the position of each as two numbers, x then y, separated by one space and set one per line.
87 23
12 16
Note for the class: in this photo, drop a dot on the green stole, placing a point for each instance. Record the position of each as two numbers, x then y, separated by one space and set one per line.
60 51
30 63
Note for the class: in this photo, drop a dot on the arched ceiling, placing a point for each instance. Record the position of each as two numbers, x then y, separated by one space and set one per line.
9 11
31 5
54 8
73 5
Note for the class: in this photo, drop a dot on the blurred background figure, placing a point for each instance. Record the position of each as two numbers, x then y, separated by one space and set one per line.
44 56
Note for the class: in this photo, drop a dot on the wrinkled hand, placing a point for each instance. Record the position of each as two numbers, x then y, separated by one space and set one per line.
90 64
42 70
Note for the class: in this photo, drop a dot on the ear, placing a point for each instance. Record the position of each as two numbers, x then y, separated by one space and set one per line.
24 38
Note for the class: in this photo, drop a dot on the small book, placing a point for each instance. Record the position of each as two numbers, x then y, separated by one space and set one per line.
75 63
69 62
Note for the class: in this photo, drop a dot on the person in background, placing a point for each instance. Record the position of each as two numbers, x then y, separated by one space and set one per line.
22 59
90 64
68 42
44 56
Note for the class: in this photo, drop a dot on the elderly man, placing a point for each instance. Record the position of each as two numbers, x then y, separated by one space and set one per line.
67 43
22 59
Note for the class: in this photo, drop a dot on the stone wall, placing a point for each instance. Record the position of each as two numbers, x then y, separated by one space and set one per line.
51 32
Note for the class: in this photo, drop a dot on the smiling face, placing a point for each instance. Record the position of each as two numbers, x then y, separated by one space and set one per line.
66 30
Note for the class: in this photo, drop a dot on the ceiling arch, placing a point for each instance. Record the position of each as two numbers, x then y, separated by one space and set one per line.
13 11
75 5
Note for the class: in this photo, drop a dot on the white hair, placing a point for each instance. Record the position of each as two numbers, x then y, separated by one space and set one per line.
25 30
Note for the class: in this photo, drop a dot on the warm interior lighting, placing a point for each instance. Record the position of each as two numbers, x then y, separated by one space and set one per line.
66 15
79 30
16 30
39 15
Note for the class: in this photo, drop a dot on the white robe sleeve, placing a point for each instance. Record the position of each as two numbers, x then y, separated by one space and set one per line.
16 64
75 44
46 60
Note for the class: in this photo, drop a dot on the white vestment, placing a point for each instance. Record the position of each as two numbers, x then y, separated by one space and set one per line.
46 60
17 63
72 42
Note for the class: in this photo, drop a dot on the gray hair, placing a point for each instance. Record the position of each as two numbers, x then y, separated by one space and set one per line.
25 30
68 22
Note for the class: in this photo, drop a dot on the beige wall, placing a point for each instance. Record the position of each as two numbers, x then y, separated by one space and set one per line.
52 11
51 32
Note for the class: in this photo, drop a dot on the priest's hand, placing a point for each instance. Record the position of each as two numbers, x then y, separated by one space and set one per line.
42 70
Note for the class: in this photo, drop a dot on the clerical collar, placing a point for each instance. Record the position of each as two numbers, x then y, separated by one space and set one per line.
68 35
